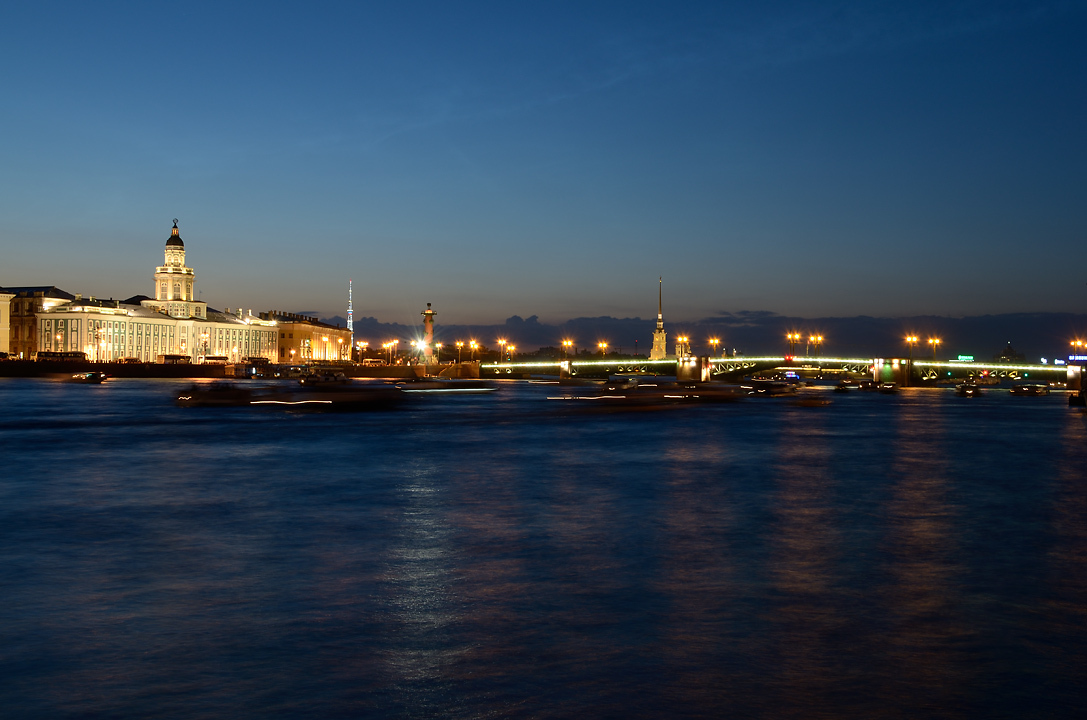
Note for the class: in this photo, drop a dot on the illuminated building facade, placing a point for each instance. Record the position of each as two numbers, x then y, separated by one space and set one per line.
303 339
5 320
26 302
174 283
149 329
660 338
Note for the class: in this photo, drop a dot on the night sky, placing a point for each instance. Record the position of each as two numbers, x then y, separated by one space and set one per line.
549 159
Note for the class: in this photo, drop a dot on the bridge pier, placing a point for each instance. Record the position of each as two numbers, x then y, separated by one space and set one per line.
1074 383
693 369
898 370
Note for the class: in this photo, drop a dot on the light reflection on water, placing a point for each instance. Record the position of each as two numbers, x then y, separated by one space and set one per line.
917 555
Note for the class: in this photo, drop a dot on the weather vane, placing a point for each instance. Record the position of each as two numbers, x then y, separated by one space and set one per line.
175 221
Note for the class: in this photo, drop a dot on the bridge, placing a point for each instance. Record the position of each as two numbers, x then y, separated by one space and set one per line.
901 370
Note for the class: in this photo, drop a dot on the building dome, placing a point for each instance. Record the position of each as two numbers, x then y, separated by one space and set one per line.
174 240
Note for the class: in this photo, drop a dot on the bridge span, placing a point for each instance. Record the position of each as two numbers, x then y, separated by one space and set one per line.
901 370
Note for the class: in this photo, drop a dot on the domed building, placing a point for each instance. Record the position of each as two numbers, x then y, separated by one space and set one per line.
172 326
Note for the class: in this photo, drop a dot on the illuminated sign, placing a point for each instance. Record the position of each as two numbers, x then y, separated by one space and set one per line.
966 358
1077 358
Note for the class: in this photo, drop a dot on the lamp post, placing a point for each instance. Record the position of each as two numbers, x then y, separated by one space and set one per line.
793 338
566 345
460 346
911 340
714 342
473 346
509 352
438 352
603 348
934 342
816 340
501 349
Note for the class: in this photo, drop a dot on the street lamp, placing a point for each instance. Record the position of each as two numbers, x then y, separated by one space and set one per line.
603 348
501 349
460 345
911 340
509 352
714 342
438 352
934 342
683 341
793 338
473 346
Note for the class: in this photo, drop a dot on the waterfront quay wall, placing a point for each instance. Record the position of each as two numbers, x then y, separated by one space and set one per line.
31 368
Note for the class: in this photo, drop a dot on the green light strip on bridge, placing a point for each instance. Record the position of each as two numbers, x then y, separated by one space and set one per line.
990 366
606 363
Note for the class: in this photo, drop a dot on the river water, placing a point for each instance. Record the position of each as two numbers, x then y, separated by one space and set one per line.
487 556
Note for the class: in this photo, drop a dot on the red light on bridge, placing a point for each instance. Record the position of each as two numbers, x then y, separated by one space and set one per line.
788 358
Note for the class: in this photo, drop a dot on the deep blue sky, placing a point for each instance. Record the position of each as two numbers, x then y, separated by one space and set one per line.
811 159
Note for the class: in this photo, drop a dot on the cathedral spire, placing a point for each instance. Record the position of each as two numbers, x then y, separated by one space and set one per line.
660 302
659 351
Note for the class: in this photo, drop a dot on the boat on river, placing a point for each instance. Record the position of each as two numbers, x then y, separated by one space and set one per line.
1030 390
320 397
967 389
769 388
88 378
630 394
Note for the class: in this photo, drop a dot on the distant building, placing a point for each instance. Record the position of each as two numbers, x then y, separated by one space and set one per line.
660 338
303 339
1010 355
5 320
148 329
26 303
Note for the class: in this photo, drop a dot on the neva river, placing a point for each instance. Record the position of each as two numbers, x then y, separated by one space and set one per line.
918 555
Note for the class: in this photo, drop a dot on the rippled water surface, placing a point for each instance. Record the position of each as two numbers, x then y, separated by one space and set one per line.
486 556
